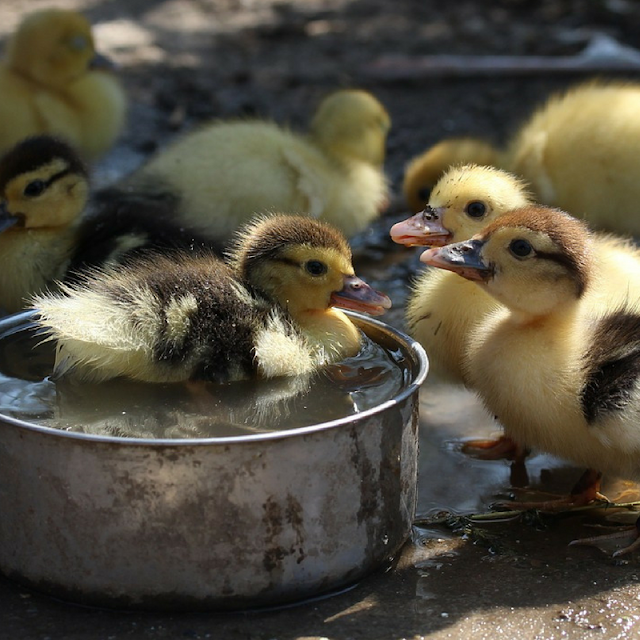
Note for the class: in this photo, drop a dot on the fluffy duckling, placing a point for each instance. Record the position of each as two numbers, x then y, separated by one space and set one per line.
223 173
442 307
51 82
44 188
46 233
577 152
559 361
171 318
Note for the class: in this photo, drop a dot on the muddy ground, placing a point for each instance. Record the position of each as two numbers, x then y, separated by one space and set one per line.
184 61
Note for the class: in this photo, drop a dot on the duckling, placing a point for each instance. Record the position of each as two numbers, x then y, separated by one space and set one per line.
224 172
439 310
48 232
577 152
52 81
44 188
559 361
269 312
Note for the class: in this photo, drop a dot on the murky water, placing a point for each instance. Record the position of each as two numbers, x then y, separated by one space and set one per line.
191 410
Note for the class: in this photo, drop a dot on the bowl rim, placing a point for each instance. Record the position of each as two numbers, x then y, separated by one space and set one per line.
412 346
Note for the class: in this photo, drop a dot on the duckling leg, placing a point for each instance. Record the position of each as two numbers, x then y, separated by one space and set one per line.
631 533
500 448
584 492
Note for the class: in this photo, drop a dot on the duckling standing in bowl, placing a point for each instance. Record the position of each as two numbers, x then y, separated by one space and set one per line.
223 173
559 361
52 81
178 317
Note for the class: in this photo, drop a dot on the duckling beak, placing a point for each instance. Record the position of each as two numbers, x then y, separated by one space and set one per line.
424 228
463 258
357 295
101 62
6 219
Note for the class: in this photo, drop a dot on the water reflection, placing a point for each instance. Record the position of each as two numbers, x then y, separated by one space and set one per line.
192 410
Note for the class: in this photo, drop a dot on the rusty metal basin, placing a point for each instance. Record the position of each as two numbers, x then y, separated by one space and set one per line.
216 523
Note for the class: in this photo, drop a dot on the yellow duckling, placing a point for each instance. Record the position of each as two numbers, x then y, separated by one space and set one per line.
577 152
223 173
44 188
50 83
559 361
442 308
47 233
178 317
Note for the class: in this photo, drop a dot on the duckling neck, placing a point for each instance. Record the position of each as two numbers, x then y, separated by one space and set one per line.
564 315
331 331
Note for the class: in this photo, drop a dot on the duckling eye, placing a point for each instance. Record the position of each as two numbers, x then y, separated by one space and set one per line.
34 188
476 209
520 248
316 268
424 193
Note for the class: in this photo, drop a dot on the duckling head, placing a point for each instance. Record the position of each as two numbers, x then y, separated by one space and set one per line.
352 124
303 264
534 260
463 202
424 171
52 47
43 185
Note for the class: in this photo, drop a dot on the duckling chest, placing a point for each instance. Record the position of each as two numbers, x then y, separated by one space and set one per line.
29 261
331 334
530 378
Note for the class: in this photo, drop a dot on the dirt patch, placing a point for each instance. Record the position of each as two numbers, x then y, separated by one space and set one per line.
185 61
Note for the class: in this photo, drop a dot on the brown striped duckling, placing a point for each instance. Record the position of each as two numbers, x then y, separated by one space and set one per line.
559 361
223 173
44 188
270 312
47 232
578 152
52 81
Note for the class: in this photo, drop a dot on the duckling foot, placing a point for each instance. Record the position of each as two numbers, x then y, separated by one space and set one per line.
499 449
623 533
585 491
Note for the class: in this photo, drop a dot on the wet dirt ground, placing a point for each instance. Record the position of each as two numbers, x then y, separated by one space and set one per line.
184 61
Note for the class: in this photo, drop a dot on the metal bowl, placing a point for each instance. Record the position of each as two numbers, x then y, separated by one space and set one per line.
216 523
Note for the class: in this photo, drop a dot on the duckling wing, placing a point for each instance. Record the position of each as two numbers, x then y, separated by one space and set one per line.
58 118
529 160
123 225
160 320
348 194
612 366
308 169
101 106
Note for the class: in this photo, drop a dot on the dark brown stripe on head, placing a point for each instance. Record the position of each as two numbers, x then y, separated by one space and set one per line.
35 152
569 233
268 238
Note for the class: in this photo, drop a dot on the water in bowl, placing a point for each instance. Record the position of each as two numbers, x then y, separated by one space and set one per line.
124 408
